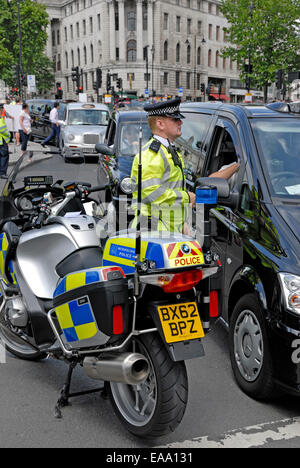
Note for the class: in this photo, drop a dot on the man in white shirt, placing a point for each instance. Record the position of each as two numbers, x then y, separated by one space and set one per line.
55 128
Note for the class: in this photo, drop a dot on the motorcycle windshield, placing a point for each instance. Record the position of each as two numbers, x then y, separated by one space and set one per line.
7 207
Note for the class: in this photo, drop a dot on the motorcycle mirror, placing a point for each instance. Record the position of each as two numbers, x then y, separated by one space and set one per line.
101 148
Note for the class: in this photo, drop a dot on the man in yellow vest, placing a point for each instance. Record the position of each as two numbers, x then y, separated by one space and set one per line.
4 154
165 200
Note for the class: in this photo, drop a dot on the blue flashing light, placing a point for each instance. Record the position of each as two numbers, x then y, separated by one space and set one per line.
207 195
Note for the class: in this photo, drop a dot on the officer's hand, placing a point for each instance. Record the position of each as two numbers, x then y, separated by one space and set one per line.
192 198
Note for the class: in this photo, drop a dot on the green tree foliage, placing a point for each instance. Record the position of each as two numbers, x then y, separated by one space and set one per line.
265 30
34 23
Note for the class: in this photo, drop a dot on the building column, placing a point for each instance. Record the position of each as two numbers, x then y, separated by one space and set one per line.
122 38
150 24
139 31
112 31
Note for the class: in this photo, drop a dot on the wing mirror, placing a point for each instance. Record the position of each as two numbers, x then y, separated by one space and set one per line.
225 196
101 148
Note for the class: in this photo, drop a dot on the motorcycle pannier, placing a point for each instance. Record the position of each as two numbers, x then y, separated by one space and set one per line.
91 306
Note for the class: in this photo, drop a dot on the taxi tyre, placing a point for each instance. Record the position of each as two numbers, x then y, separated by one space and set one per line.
262 387
172 391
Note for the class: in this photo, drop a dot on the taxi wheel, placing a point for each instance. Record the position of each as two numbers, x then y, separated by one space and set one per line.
249 349
157 406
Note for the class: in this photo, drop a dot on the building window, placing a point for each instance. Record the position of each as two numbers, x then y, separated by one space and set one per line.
166 78
66 60
210 28
53 38
198 4
145 21
84 27
58 37
117 19
71 32
66 35
117 54
209 58
131 51
131 21
188 3
130 76
92 53
178 53
84 55
210 8
99 22
189 26
199 56
166 47
198 81
199 27
177 79
178 20
217 59
224 63
78 57
91 25
218 33
72 57
77 29
58 63
188 54
166 21
188 80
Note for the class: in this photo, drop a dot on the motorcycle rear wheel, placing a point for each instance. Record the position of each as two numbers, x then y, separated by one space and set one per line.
156 407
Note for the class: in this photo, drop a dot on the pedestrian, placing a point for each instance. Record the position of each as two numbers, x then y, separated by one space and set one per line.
25 129
55 127
164 197
4 153
19 107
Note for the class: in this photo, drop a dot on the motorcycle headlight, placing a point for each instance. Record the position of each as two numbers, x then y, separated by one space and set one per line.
291 291
126 185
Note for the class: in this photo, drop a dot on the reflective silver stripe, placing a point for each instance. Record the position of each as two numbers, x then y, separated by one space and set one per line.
176 184
154 195
167 171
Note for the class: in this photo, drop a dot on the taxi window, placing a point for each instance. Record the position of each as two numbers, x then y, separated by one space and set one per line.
194 129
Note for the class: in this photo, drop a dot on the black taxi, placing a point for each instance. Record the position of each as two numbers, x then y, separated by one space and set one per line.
256 231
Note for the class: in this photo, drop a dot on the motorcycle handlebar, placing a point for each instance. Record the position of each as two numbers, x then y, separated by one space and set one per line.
41 219
98 188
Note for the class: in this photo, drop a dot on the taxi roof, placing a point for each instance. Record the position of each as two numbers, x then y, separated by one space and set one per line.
87 105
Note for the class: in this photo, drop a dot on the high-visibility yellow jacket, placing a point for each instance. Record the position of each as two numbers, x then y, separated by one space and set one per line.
164 197
4 133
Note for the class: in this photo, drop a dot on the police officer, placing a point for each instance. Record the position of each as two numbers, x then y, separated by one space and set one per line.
4 154
164 198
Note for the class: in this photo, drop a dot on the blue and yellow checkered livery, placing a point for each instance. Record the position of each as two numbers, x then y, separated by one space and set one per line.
3 253
75 314
76 319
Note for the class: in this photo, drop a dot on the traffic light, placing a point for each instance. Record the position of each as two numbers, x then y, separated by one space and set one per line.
79 90
99 78
59 91
202 88
76 76
119 83
108 81
279 79
23 80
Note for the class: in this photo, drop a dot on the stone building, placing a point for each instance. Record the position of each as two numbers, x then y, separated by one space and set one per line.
166 46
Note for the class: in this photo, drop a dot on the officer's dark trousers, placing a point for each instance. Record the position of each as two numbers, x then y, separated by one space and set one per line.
4 155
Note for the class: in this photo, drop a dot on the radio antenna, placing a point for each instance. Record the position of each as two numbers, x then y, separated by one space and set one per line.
139 203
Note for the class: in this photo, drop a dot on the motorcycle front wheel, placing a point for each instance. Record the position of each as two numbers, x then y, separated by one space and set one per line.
157 406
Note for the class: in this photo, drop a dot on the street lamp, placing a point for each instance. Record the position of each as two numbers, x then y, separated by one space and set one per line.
20 50
152 52
249 69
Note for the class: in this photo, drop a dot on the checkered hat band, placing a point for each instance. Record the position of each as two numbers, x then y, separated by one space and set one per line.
166 110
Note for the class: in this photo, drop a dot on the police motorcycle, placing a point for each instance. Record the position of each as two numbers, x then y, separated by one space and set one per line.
129 315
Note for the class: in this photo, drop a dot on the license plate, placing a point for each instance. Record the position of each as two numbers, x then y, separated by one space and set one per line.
180 322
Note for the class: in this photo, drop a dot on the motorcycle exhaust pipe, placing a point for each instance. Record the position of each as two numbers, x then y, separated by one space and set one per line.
128 368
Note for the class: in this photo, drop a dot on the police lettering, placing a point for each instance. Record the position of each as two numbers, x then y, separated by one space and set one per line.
188 261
